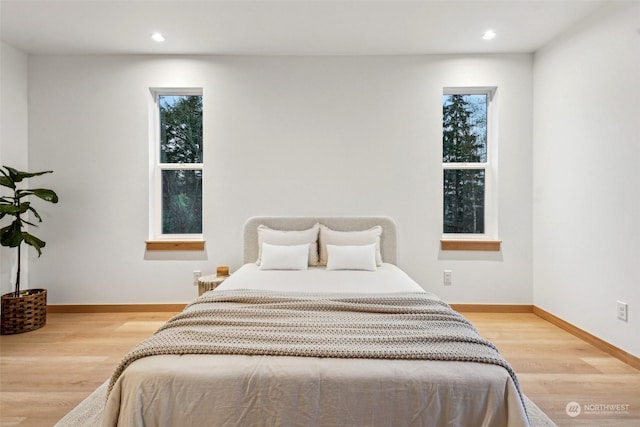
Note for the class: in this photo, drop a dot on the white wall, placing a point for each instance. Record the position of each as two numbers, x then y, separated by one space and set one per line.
586 175
13 142
284 136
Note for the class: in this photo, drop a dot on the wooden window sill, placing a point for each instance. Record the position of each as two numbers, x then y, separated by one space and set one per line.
470 245
175 245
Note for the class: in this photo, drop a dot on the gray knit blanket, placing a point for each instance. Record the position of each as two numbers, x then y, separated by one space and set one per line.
407 325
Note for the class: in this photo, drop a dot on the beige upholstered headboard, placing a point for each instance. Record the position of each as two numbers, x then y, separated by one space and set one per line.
387 240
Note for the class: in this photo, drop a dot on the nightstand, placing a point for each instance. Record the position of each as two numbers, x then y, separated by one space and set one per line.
208 283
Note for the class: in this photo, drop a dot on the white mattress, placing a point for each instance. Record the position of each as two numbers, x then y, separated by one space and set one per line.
387 278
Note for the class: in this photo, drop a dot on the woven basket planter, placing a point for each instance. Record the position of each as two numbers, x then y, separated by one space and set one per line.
24 313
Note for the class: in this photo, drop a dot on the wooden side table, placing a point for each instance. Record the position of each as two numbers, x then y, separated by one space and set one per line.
208 283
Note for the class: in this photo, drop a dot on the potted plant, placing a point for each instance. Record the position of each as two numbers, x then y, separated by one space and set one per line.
22 311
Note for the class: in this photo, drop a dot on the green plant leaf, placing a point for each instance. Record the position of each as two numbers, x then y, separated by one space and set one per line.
35 213
18 176
29 223
9 209
24 207
11 235
5 181
32 240
44 194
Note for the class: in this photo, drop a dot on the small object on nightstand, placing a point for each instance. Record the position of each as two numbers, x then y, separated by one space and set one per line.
208 283
222 271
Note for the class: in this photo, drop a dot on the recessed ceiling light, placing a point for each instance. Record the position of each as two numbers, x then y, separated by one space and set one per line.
157 37
489 35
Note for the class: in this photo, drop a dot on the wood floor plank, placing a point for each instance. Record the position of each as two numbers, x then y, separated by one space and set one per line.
555 368
62 363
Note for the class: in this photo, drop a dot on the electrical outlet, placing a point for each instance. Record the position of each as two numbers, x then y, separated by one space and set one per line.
196 276
622 310
447 277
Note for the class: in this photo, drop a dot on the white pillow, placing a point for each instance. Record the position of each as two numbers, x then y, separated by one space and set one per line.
349 238
361 257
289 238
291 257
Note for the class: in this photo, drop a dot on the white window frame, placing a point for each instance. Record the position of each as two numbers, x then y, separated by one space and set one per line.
490 166
156 168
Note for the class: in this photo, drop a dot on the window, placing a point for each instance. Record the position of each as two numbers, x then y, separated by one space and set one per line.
467 164
177 165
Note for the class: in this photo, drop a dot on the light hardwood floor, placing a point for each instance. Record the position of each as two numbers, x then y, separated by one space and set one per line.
555 368
45 373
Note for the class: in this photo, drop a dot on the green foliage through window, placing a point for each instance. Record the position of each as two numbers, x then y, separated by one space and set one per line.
464 201
464 128
180 129
464 154
181 201
181 143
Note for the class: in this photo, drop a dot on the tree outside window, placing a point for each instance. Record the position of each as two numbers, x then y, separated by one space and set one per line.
179 162
465 161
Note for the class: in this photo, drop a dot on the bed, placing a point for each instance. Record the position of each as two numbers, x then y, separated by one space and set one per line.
350 347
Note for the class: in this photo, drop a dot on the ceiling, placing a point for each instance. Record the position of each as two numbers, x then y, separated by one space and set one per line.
293 27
